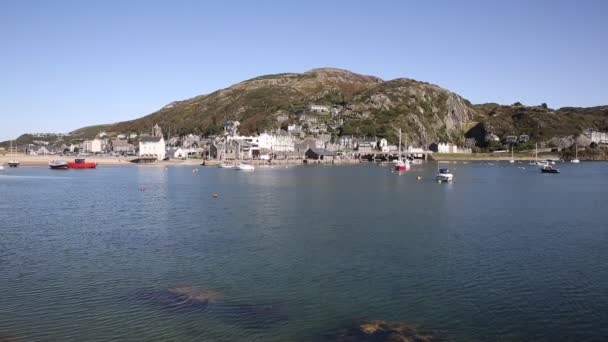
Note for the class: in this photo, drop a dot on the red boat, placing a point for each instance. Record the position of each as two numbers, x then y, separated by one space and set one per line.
401 166
81 164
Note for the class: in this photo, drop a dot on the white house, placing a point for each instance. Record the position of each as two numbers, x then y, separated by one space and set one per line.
178 153
92 145
153 146
40 151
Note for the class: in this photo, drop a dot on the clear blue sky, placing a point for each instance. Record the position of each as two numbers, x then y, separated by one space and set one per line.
67 64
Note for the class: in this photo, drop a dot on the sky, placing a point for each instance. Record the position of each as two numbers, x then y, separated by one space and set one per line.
69 64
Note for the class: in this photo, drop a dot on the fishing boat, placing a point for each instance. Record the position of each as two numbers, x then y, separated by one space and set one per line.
444 175
575 160
59 165
548 169
13 162
81 164
401 165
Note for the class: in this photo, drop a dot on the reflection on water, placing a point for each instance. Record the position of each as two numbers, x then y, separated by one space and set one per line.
299 254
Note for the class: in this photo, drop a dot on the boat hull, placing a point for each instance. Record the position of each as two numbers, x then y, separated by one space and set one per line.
444 178
59 167
13 164
82 165
549 171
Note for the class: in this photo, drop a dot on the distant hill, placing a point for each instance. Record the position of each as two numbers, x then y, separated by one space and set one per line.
361 105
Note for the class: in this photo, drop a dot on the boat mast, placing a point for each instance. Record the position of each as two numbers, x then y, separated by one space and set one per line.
399 144
536 155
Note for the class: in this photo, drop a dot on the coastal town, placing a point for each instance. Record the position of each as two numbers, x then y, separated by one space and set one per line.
295 144
307 139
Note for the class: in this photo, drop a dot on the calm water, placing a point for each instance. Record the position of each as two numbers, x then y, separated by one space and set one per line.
500 254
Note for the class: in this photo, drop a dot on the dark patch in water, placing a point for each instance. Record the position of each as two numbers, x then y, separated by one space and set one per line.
8 338
186 298
180 297
380 331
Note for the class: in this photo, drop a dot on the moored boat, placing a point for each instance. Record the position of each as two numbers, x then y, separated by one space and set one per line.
401 165
575 160
225 166
81 164
12 162
245 167
548 169
444 175
58 165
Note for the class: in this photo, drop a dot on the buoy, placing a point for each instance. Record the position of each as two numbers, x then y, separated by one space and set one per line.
439 181
418 178
216 195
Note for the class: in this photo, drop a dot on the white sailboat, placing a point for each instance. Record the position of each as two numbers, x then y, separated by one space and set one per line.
224 164
13 162
401 165
242 165
536 162
512 160
575 160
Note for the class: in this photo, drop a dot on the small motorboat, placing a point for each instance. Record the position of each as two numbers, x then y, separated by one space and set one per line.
549 169
81 164
59 165
225 166
1 167
444 175
245 167
13 163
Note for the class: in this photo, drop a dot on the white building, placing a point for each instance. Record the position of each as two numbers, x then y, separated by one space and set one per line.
92 146
598 137
276 142
451 148
153 146
319 108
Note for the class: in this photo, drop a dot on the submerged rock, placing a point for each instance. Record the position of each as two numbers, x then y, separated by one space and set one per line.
379 331
183 296
210 302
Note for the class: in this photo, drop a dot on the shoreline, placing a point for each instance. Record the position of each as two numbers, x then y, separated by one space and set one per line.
43 161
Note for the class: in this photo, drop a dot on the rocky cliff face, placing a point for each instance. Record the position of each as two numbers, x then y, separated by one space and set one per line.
366 105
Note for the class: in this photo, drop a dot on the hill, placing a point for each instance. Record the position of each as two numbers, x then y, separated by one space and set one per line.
364 105
359 105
